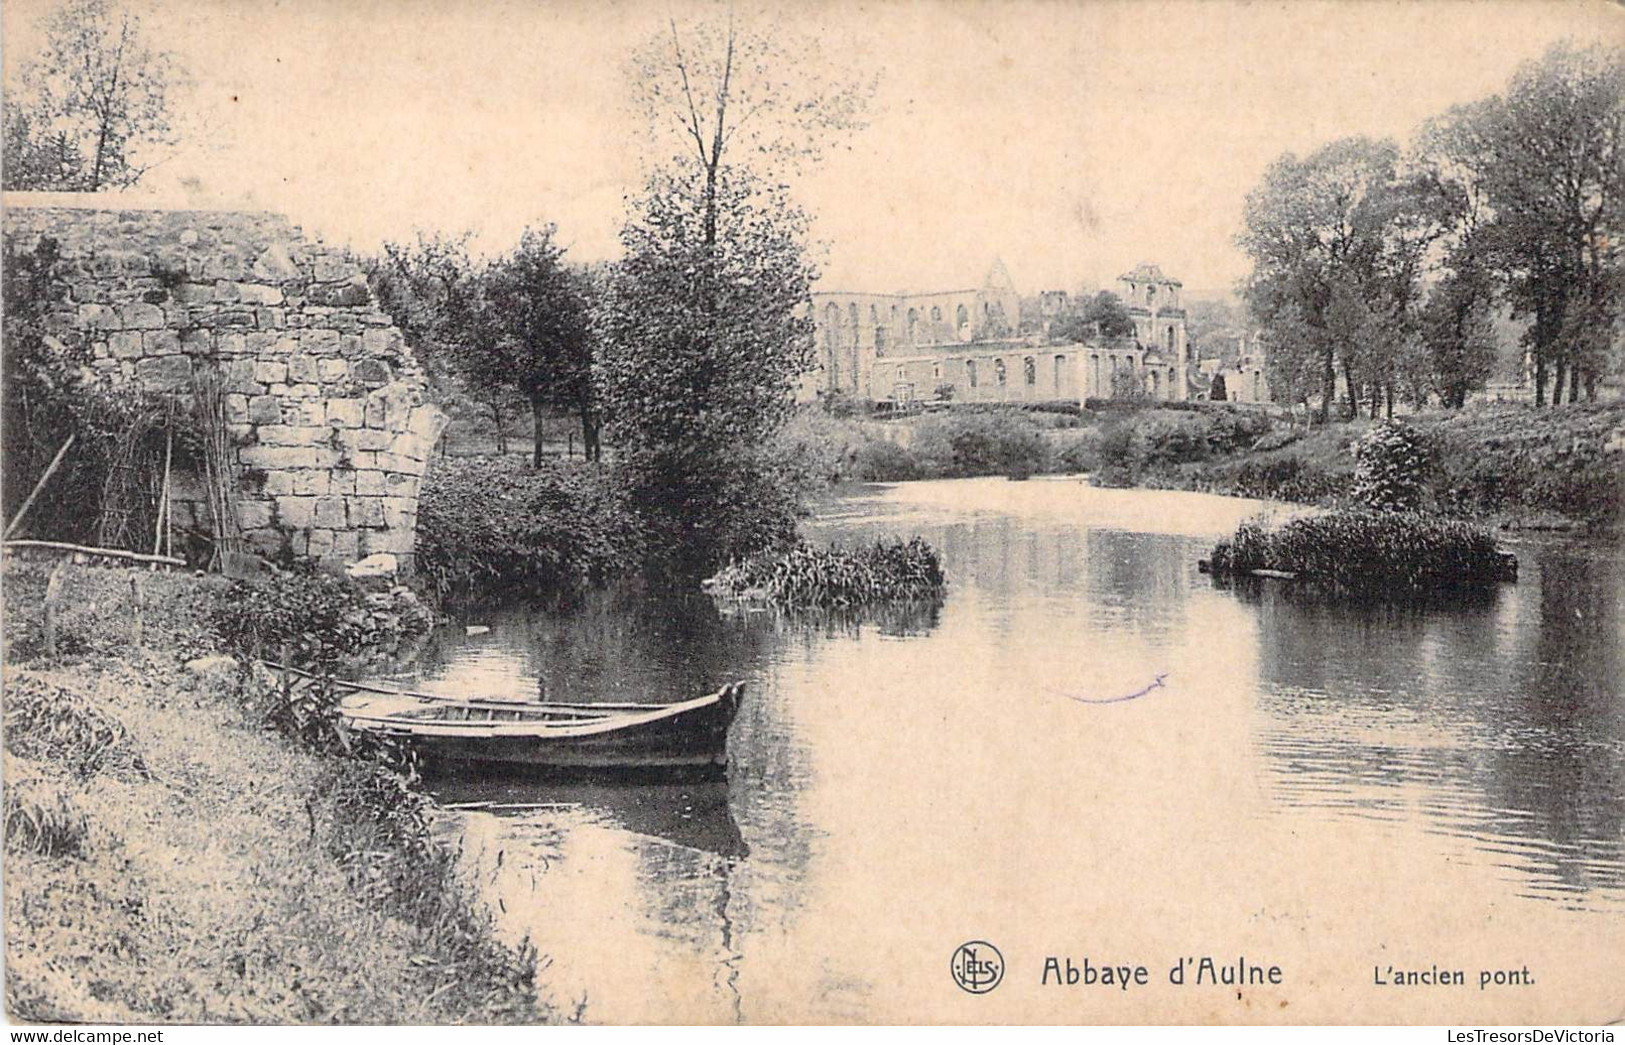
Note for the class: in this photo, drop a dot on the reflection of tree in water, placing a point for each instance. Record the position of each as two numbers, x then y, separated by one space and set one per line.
713 860
1142 577
1504 710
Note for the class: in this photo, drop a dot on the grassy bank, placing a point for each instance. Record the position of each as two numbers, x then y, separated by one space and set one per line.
1507 463
171 858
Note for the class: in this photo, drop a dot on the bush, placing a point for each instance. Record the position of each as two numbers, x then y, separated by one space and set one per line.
497 527
42 818
976 442
836 576
1119 456
1368 551
64 731
1392 468
883 461
322 620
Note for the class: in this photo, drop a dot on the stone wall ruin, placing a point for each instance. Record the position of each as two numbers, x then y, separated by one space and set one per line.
324 401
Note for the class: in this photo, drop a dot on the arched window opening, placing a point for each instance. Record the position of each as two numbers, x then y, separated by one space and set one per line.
961 319
998 372
936 314
1029 370
852 320
913 326
1094 371
970 372
936 371
880 339
1170 339
832 324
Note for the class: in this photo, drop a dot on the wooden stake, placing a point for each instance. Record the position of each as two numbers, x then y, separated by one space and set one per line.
50 470
53 590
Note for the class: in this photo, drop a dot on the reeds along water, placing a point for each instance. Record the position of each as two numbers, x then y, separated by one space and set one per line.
1368 551
837 576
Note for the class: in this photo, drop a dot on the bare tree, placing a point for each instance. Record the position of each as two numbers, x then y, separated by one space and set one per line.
93 109
713 90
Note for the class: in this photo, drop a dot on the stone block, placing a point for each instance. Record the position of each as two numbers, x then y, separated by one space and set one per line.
400 484
304 391
341 481
225 292
232 344
296 512
334 370
320 544
125 345
278 483
305 412
395 542
142 316
275 265
330 511
346 545
311 484
376 411
320 342
345 413
253 515
197 342
264 410
267 542
370 483
380 341
270 373
293 435
98 317
236 408
261 344
427 422
164 373
302 369
367 511
161 342
373 372
288 457
259 294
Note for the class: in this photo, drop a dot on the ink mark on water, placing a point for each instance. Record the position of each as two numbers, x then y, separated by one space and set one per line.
1156 683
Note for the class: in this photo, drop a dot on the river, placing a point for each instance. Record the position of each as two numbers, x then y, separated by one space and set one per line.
1089 751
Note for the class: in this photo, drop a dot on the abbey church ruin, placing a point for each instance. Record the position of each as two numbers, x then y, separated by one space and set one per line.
978 344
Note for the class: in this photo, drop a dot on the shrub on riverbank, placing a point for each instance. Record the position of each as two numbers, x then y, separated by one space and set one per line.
170 860
495 526
836 576
318 619
1367 551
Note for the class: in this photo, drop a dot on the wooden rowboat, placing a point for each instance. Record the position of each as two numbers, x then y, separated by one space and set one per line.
550 735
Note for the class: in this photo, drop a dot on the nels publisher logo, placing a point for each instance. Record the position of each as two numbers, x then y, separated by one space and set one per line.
977 966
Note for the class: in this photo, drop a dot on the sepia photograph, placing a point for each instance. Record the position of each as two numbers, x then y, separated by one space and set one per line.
857 512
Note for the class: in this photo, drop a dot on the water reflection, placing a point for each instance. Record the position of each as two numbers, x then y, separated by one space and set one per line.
1497 719
901 782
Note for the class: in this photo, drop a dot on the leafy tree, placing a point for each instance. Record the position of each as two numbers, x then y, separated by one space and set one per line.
1129 383
92 108
704 328
1338 241
544 350
1550 166
1102 316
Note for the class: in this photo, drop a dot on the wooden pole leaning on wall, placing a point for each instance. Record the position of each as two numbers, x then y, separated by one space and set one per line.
50 470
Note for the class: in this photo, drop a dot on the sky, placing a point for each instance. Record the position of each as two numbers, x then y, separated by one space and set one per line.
1071 140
